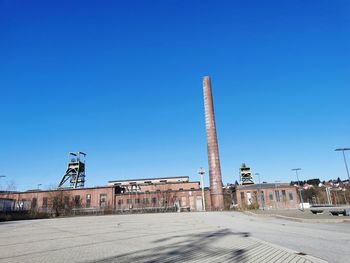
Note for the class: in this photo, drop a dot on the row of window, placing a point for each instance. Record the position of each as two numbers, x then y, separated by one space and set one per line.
136 201
271 195
76 201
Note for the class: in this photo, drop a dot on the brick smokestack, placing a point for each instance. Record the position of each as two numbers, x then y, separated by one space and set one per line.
216 192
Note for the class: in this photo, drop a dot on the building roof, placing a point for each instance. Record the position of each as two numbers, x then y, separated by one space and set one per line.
264 186
146 180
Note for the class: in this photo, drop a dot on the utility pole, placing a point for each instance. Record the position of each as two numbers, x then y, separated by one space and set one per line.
346 165
201 172
299 190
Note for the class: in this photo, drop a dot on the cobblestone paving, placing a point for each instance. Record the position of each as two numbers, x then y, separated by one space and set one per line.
175 237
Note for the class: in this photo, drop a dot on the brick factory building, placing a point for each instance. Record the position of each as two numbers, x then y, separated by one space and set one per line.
168 193
151 195
272 196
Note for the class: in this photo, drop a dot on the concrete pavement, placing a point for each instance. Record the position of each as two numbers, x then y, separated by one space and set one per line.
173 237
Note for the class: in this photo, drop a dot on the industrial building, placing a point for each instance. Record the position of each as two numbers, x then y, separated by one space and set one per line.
265 196
168 193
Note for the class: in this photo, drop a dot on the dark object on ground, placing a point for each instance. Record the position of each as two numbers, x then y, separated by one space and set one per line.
316 211
344 212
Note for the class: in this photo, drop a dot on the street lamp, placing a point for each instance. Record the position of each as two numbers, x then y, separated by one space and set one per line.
201 172
346 165
39 186
300 197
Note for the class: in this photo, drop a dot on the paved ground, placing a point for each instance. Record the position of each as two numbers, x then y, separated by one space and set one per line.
175 237
307 214
329 241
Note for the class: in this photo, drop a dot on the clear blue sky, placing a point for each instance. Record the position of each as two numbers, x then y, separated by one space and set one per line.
121 81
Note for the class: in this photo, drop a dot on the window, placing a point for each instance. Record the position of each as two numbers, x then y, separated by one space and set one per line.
270 196
120 202
56 203
284 196
137 201
145 200
88 200
77 201
262 196
44 202
103 200
290 196
66 201
277 193
242 197
154 200
34 203
129 201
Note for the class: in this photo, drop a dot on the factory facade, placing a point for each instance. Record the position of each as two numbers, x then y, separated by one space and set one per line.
265 196
157 194
152 195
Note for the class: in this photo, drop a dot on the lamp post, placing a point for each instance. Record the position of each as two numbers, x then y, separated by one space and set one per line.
201 172
300 197
39 186
346 165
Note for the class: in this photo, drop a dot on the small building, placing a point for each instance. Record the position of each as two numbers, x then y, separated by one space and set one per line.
272 196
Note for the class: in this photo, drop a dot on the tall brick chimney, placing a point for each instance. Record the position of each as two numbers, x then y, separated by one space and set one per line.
216 192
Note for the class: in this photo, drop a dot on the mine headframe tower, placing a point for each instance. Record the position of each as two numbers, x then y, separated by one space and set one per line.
75 171
245 175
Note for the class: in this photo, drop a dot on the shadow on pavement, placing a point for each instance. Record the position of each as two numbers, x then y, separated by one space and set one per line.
179 248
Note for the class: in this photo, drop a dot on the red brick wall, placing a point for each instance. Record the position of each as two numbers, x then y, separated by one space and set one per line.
50 195
270 203
187 196
186 199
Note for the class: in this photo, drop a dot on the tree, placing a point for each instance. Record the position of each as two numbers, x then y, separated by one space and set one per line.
314 182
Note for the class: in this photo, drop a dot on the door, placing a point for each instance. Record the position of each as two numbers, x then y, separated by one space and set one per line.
249 197
192 203
199 205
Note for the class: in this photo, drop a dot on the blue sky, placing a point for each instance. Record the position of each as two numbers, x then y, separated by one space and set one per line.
121 81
